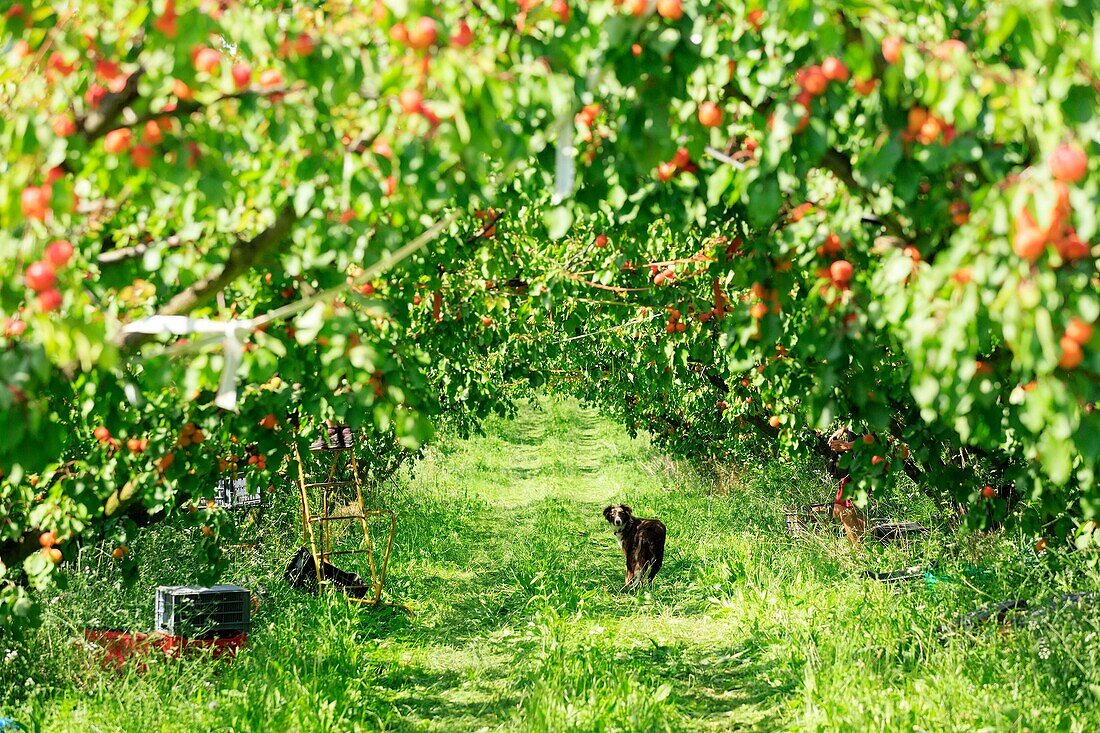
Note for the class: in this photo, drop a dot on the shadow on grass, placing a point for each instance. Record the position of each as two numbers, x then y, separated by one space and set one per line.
738 681
426 699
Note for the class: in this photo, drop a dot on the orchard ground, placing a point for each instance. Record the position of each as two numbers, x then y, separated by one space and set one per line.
521 622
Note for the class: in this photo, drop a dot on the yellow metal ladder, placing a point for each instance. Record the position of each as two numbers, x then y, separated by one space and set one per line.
317 525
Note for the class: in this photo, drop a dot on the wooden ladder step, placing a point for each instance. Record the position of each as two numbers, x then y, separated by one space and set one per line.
331 553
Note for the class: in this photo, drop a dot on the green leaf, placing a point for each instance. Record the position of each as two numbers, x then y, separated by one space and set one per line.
718 182
882 163
558 220
763 201
303 198
309 324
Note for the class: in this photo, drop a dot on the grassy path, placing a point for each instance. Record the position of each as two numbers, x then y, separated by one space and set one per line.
549 600
521 623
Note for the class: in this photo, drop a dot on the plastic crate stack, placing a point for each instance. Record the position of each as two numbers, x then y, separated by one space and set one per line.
234 494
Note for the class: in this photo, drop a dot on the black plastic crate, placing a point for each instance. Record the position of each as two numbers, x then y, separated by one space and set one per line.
234 494
796 524
898 531
196 612
302 574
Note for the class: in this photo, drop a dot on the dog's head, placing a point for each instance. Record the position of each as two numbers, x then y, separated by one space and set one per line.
619 515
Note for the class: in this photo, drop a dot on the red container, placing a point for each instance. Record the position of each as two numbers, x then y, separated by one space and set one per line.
219 648
121 646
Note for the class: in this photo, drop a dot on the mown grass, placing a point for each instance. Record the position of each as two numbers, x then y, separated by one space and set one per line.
522 624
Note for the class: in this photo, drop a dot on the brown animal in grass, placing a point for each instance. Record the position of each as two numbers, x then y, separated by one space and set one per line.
642 542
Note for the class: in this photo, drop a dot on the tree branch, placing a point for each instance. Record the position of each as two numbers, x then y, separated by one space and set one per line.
841 167
102 119
187 107
601 286
486 227
115 256
241 259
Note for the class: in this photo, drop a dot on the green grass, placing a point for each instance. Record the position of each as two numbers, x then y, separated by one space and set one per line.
521 622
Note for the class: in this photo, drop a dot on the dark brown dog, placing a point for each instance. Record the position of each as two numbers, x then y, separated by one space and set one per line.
642 542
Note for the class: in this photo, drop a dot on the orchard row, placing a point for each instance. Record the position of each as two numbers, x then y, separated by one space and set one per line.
734 227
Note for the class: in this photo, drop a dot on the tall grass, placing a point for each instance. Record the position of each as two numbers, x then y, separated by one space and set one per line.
522 622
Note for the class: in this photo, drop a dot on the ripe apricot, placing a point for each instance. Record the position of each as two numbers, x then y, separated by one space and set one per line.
1068 163
710 114
1029 243
1072 354
891 49
841 272
1079 331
